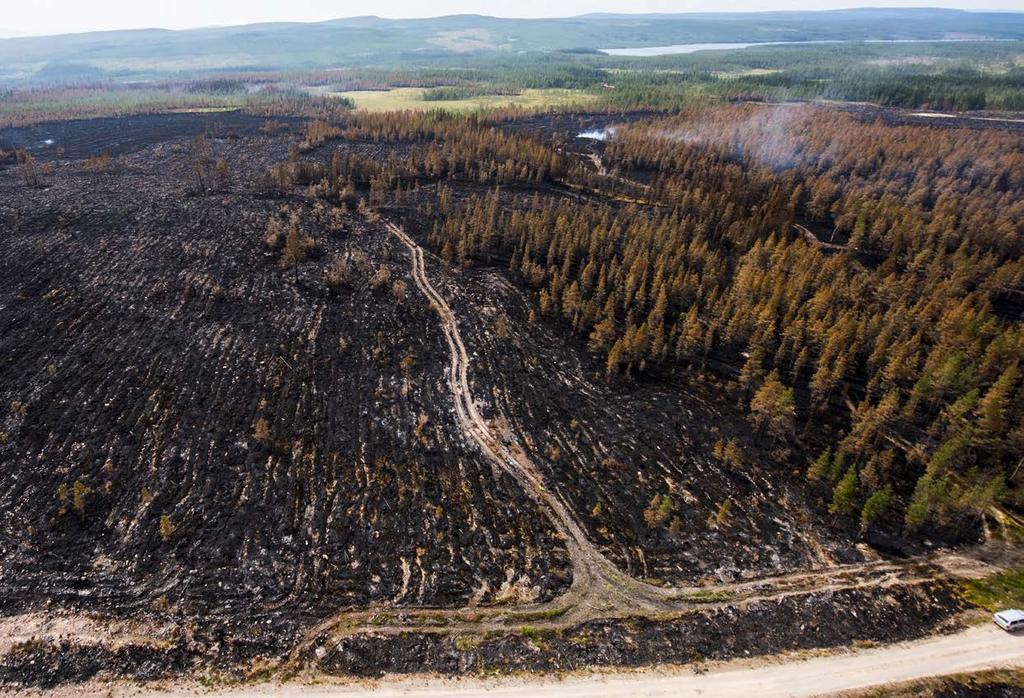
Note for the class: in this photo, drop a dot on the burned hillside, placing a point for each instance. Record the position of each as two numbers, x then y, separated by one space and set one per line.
206 430
344 392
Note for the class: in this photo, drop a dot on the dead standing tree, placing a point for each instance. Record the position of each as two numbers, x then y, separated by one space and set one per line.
297 246
208 173
32 173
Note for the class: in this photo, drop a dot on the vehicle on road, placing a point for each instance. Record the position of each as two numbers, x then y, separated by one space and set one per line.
1010 620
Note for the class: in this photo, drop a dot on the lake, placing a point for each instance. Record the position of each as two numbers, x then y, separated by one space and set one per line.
693 48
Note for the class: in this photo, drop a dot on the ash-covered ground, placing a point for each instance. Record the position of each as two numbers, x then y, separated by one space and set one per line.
147 332
226 451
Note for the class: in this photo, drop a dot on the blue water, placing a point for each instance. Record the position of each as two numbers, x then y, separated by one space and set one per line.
693 48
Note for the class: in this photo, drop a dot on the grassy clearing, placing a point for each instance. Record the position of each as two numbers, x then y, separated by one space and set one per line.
746 73
412 98
995 592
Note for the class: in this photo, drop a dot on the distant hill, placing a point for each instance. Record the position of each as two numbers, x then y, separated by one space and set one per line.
371 40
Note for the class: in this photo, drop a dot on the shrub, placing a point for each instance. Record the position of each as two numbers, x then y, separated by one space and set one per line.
167 527
78 494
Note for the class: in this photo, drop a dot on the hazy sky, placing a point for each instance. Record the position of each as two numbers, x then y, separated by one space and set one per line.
62 16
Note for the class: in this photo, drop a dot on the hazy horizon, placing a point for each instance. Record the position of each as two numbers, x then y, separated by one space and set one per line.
51 17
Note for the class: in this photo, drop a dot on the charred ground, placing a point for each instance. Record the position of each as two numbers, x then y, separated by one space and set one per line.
171 334
233 453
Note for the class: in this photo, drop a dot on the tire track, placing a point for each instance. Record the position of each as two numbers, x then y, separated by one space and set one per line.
599 588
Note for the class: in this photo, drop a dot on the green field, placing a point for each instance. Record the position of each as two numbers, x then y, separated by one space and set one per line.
1004 590
412 98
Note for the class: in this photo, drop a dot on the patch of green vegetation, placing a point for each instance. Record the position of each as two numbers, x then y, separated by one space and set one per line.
549 614
466 643
996 591
538 636
452 93
412 98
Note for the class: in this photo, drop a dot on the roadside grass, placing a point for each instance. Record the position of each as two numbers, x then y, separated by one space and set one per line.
549 614
996 591
402 98
537 636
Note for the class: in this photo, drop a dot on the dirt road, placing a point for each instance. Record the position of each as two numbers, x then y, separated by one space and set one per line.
977 648
599 589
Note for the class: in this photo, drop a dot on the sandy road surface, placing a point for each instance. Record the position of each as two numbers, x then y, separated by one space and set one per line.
979 647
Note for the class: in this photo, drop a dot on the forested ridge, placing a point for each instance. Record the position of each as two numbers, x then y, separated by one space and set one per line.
859 283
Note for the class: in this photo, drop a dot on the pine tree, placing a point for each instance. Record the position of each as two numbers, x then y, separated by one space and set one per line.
844 496
875 506
820 467
296 247
838 466
993 409
753 369
614 362
690 341
774 407
602 336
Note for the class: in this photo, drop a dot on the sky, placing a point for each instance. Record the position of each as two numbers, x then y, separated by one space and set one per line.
38 17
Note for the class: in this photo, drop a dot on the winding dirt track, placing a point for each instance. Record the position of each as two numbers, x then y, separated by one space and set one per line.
592 572
599 589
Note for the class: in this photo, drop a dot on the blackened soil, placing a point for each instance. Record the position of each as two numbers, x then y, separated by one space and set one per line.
974 689
192 435
830 619
51 666
147 332
1013 121
122 135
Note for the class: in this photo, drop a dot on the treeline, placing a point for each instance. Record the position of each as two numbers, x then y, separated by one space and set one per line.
941 75
468 91
950 75
907 330
25 107
956 90
446 147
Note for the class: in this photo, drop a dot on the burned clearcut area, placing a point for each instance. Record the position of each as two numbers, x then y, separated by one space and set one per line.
187 427
719 633
396 392
610 449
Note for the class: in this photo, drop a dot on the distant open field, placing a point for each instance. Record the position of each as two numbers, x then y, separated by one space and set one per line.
412 98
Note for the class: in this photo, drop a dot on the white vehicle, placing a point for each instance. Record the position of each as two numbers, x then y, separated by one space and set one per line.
1010 620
